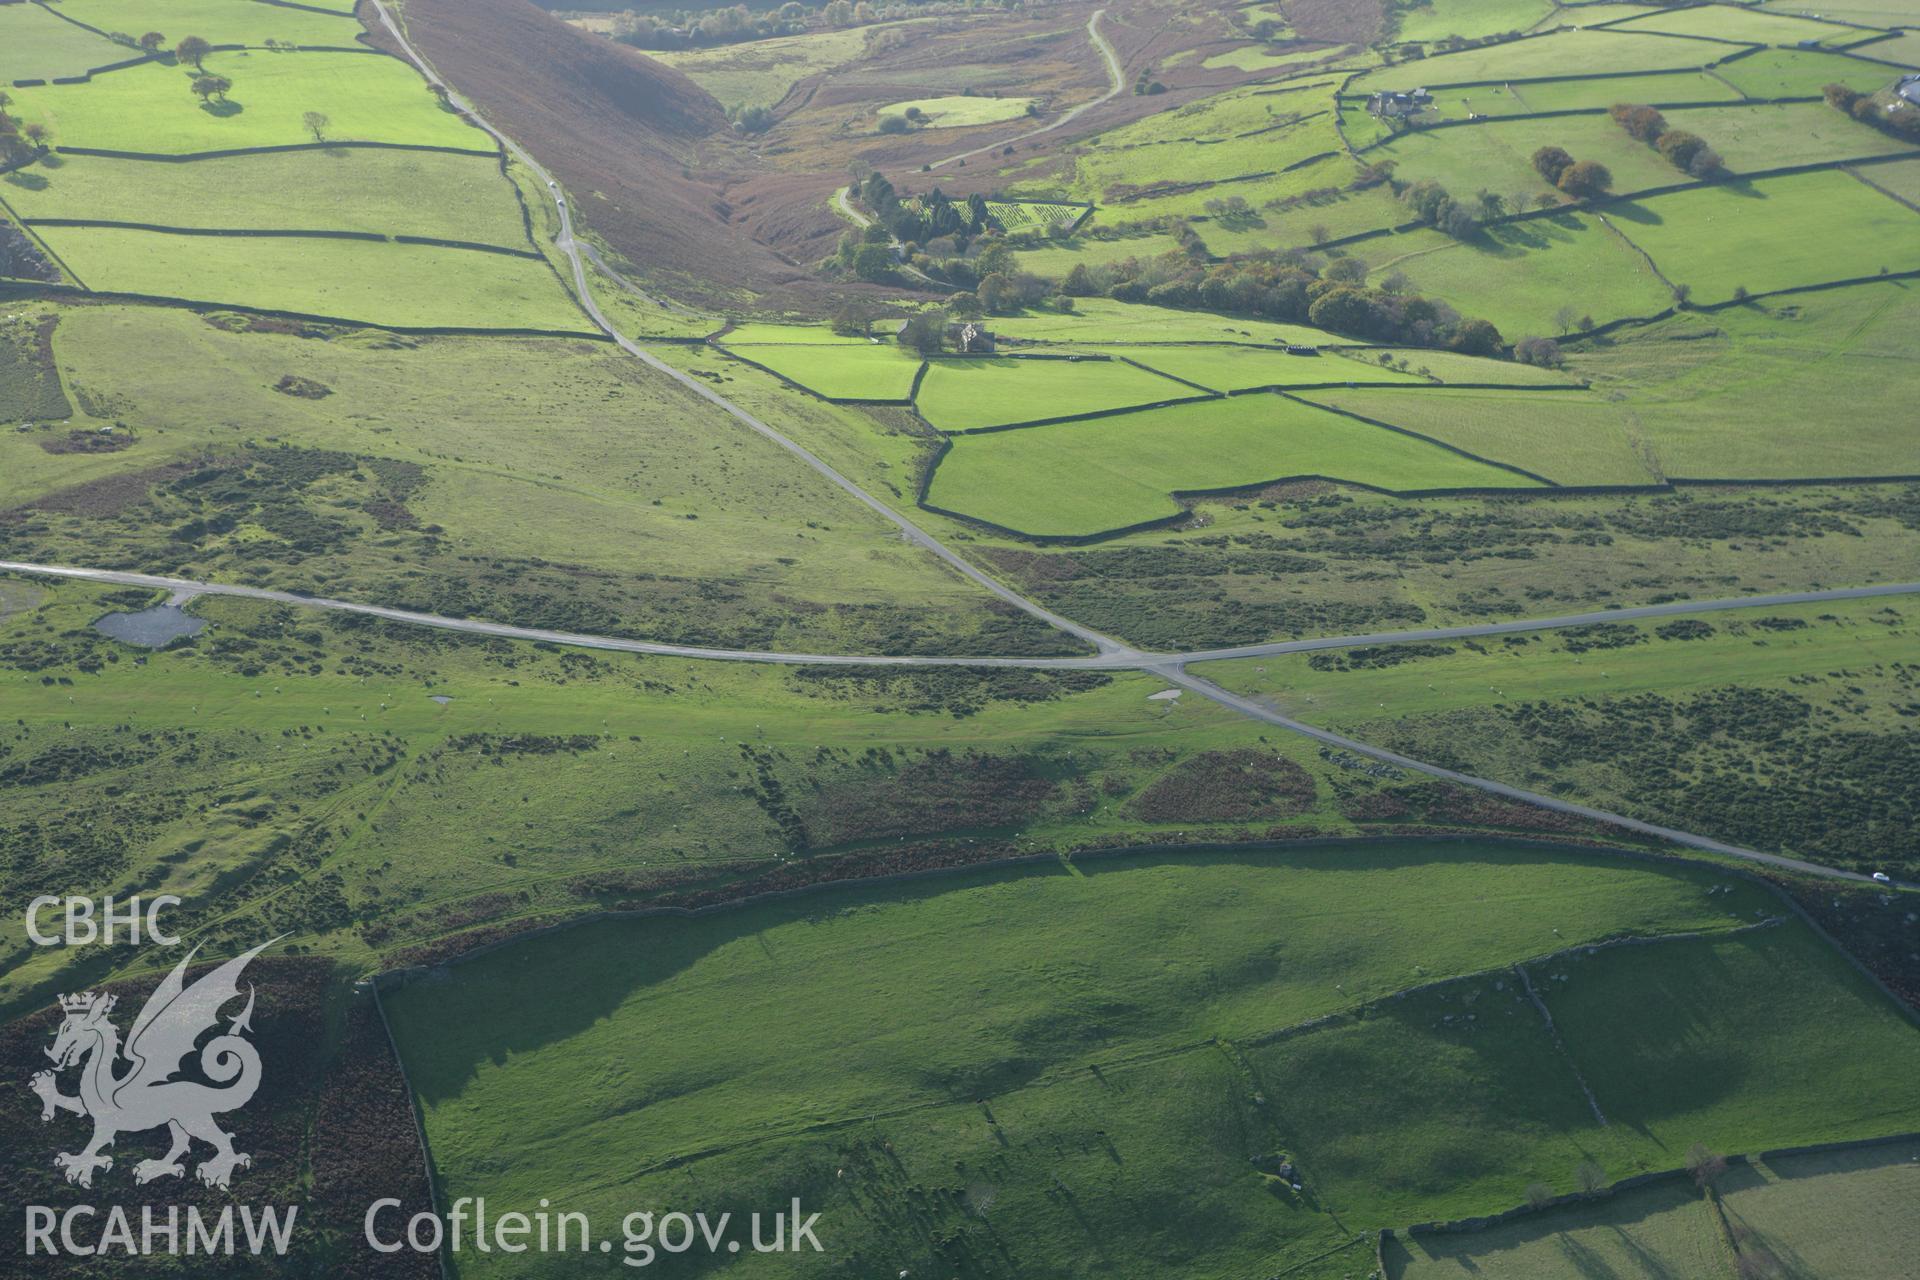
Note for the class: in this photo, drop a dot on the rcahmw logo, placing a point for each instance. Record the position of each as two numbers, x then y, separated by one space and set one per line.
133 1087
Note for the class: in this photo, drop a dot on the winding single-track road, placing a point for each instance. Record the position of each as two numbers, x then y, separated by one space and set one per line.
1109 654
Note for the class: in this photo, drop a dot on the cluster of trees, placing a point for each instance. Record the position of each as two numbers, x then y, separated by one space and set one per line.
1865 108
1580 179
18 141
1687 152
1289 287
1435 206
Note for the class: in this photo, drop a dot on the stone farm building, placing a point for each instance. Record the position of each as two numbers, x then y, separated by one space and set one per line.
1390 104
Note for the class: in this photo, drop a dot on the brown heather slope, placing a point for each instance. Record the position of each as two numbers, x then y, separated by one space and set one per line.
622 132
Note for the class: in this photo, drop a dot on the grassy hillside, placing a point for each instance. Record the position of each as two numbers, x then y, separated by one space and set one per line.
1069 1086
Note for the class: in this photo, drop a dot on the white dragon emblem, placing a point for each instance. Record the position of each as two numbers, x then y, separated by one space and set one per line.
145 1095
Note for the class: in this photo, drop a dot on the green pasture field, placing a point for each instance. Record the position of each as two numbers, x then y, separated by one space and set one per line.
1243 368
1037 1069
247 22
1903 49
1102 320
1562 53
1593 14
1467 1100
1603 91
1569 437
1348 213
1523 275
530 450
36 45
758 333
1665 1229
1104 172
1751 391
760 72
387 192
1820 1053
958 393
1783 134
1772 233
1452 366
875 372
367 281
1868 12
1902 177
1497 155
1795 73
150 108
1087 477
1057 259
1219 116
961 111
1470 19
1834 1214
1746 24
1440 685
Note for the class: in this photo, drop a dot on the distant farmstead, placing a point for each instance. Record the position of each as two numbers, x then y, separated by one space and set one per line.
1389 103
1909 89
970 339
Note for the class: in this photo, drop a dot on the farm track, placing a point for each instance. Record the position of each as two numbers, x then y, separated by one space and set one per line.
1110 653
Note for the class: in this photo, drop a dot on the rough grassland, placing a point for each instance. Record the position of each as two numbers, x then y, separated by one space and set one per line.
1661 1232
1522 275
561 450
36 45
1451 366
1086 477
1845 1213
1772 234
1059 973
1239 368
149 108
759 73
1570 438
1752 391
247 22
368 281
959 112
416 193
1440 683
957 394
866 372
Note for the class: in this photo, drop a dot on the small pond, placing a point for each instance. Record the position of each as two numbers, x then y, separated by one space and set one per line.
153 628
